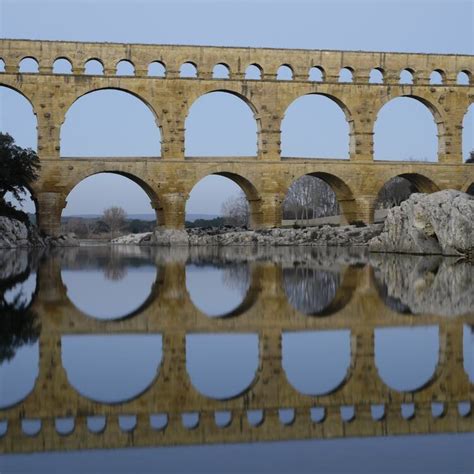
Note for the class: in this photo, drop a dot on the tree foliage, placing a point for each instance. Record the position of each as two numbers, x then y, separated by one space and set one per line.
471 157
18 170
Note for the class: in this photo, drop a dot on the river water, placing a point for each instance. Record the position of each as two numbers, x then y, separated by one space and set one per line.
133 359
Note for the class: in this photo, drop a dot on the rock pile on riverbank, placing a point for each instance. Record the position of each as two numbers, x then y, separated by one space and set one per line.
344 236
14 234
438 223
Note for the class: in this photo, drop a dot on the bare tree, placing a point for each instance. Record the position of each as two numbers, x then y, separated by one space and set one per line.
309 197
235 210
394 192
114 217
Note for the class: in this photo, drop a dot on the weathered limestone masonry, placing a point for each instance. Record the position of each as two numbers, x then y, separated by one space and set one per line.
266 177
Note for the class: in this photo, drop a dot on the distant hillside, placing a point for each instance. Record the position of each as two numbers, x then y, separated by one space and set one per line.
143 217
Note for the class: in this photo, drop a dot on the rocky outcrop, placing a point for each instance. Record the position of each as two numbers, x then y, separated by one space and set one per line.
438 223
425 284
233 236
16 234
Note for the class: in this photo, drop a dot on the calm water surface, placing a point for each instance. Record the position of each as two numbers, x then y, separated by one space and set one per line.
130 359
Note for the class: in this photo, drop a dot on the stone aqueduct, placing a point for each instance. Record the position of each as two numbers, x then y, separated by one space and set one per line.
266 177
169 312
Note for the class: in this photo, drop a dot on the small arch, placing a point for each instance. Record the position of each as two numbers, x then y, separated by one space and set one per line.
64 426
125 68
188 69
468 351
316 74
157 69
31 426
28 65
463 78
376 76
96 424
437 77
284 73
222 366
111 368
94 67
346 74
254 72
407 357
406 76
221 71
62 66
316 362
2 65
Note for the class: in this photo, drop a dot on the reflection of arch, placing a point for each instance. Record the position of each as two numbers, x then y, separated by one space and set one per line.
342 294
436 116
208 353
83 354
251 121
396 351
249 300
249 189
306 354
297 109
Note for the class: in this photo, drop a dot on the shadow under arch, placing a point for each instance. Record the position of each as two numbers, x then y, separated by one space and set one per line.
249 189
158 120
435 113
345 290
234 93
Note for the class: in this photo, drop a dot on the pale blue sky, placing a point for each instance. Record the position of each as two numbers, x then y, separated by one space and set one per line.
312 127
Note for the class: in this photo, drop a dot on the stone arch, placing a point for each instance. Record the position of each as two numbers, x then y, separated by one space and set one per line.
346 75
188 69
127 66
221 71
62 61
157 120
429 105
344 194
437 76
339 102
285 72
160 66
464 77
468 132
316 74
254 69
243 99
377 76
30 102
30 62
422 183
92 62
407 76
250 190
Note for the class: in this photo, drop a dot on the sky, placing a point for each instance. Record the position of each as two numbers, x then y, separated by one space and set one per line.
114 123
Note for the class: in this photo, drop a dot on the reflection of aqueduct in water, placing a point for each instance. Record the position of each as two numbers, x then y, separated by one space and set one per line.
266 177
357 307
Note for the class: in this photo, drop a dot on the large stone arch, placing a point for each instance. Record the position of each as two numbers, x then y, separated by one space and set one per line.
248 187
192 100
437 115
149 190
424 184
344 194
341 103
71 100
